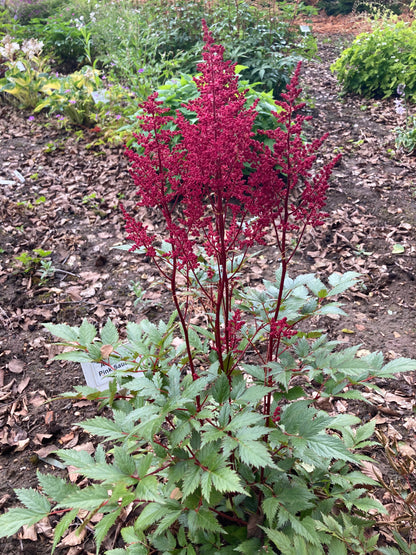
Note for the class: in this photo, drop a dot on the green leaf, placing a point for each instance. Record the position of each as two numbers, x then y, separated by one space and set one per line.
226 480
101 426
74 356
166 543
63 331
330 447
270 507
397 249
191 479
150 514
280 540
342 282
148 489
76 458
103 526
243 419
366 504
63 526
55 487
109 334
89 498
15 518
203 520
33 500
397 365
221 389
389 551
254 393
87 333
255 453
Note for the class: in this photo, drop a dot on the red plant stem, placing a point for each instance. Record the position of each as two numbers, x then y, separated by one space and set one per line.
229 517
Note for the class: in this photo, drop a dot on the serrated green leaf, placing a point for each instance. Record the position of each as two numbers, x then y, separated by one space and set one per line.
249 547
17 517
76 458
366 504
226 480
255 453
221 389
63 331
124 461
191 479
74 356
148 489
89 498
109 334
63 526
255 393
389 551
342 282
280 540
149 516
330 447
397 365
165 543
243 419
365 431
87 333
270 507
55 487
103 526
104 427
33 500
203 520
337 547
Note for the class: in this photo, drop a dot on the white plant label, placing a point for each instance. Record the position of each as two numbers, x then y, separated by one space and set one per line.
97 375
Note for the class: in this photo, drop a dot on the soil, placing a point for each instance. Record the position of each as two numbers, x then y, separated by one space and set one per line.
60 192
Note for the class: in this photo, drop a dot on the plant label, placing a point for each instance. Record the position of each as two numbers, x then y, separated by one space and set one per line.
98 375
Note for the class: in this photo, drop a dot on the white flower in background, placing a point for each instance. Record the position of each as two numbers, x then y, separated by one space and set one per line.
9 47
32 48
79 22
92 17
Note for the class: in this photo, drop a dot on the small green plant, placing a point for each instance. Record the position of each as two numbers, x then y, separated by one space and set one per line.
72 97
27 75
406 133
377 62
29 262
46 271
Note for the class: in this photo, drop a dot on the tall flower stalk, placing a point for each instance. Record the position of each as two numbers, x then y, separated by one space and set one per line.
220 191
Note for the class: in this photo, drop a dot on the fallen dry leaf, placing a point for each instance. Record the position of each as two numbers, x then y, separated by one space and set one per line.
45 451
22 444
73 538
16 366
106 350
28 533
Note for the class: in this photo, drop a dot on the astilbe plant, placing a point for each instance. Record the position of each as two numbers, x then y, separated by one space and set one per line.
217 444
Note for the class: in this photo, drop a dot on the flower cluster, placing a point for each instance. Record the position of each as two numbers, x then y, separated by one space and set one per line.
220 190
9 47
32 48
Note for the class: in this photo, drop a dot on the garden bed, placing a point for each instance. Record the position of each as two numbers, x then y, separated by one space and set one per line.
60 193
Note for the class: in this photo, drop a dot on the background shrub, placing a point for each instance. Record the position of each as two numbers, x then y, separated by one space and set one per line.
377 62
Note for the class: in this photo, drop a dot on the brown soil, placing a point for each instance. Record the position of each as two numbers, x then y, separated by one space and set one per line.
61 195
